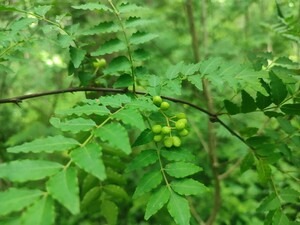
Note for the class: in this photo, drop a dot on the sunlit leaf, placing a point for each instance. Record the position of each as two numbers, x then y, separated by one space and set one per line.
92 6
131 117
179 209
182 169
85 110
188 187
73 125
111 46
148 182
145 158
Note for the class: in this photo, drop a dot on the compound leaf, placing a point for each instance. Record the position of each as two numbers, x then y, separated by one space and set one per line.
111 46
131 117
85 110
178 155
188 187
145 158
92 6
110 211
102 28
179 209
118 65
182 169
278 89
248 103
280 218
115 101
77 55
73 125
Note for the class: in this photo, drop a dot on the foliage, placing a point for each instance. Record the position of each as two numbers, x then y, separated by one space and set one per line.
136 157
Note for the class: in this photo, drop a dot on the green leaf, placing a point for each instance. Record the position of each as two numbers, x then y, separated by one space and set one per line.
103 28
92 6
179 209
42 9
73 125
248 103
14 200
124 81
115 101
188 187
178 154
290 195
91 196
64 188
247 162
48 144
118 65
40 213
26 170
271 202
77 56
196 81
111 46
280 218
116 136
263 101
174 70
143 104
64 40
264 171
141 38
134 22
231 107
182 169
116 192
22 24
128 8
88 159
144 159
278 89
144 138
110 211
157 201
148 182
172 87
291 109
130 117
85 110
191 69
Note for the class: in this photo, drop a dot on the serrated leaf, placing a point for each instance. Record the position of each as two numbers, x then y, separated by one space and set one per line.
178 155
247 162
210 66
172 87
48 144
290 195
179 209
102 28
196 81
116 192
116 136
21 24
174 70
157 201
118 65
111 46
291 109
191 69
278 89
144 138
141 38
64 40
130 117
73 125
14 199
88 159
188 187
124 81
85 110
134 22
231 107
143 104
263 101
263 170
42 9
127 8
27 170
77 55
271 202
92 6
248 103
115 101
148 182
181 169
110 211
145 158
40 213
280 218
64 188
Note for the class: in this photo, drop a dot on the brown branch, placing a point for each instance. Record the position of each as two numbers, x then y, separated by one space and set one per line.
231 169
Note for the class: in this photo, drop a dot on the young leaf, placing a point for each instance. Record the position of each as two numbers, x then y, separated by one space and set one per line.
145 158
116 136
92 6
262 101
111 46
280 218
178 155
26 170
85 110
64 188
182 169
73 125
131 117
48 144
157 201
14 200
291 109
231 107
40 213
148 182
278 89
248 103
110 211
179 209
88 158
77 55
188 187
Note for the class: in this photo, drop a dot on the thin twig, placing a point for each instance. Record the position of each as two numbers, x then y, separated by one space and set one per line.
231 169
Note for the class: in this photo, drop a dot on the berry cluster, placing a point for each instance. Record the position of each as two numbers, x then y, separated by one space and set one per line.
169 134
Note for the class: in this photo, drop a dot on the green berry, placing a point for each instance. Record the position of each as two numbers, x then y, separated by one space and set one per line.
156 129
180 125
157 100
176 141
168 142
157 138
181 116
99 63
184 132
164 105
166 130
183 120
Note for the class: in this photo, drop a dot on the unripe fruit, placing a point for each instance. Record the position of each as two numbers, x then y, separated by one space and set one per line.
99 63
176 141
183 120
184 132
181 115
180 125
168 142
164 105
166 130
157 100
157 138
156 129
